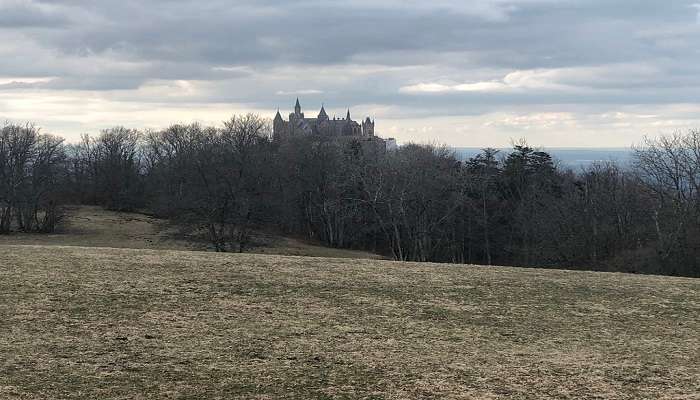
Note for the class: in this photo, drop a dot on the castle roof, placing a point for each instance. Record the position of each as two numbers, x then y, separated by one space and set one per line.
322 118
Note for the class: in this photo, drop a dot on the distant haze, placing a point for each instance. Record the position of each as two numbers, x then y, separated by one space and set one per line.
560 73
574 158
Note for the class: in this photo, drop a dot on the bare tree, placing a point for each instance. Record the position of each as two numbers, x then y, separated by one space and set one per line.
31 167
670 167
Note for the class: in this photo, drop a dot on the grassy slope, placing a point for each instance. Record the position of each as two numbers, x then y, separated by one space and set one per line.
90 226
110 323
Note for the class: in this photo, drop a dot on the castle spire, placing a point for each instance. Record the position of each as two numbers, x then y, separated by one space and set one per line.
348 116
297 107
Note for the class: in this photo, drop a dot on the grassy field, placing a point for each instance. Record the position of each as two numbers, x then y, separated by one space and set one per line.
99 323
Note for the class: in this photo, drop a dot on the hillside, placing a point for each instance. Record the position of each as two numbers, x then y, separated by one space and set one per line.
91 226
79 322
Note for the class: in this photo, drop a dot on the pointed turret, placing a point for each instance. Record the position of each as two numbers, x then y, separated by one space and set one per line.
348 116
279 128
322 116
367 127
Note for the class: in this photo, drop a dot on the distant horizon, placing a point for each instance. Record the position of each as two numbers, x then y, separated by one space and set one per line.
75 137
569 157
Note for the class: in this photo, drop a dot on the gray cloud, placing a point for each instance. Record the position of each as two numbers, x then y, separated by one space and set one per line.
24 14
438 58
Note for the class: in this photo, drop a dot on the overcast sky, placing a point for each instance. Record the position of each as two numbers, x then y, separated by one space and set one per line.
465 73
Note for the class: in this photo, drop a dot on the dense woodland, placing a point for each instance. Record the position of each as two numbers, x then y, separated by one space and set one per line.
418 203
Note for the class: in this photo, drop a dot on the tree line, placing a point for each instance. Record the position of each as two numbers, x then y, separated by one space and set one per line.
417 203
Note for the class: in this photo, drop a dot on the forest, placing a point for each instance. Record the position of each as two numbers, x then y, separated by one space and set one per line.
417 203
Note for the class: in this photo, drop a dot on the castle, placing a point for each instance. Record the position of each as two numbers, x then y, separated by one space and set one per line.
323 126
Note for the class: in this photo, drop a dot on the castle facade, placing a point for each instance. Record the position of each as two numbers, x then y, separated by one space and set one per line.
323 126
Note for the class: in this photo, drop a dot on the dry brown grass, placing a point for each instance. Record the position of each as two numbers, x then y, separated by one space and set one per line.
97 323
91 226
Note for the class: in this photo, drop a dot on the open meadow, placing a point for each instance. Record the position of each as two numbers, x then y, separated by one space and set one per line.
97 323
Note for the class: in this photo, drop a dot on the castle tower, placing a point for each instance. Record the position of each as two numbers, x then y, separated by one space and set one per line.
278 116
296 119
322 116
368 127
278 126
347 127
297 108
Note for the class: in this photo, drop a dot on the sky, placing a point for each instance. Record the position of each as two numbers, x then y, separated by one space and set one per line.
558 73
